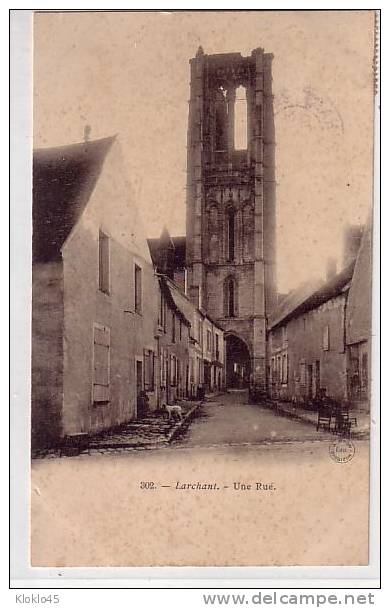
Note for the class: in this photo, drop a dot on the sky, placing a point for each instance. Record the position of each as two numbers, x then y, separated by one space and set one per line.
127 73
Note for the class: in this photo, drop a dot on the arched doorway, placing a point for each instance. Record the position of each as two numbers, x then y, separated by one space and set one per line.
238 363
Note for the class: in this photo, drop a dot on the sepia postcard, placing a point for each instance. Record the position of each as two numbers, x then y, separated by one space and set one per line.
202 285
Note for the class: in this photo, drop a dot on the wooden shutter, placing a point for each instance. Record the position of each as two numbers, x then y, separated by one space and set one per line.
148 370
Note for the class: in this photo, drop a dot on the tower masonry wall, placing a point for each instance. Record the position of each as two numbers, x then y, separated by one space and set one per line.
215 281
231 196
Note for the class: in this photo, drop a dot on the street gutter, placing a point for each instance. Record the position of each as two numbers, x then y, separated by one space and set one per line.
172 434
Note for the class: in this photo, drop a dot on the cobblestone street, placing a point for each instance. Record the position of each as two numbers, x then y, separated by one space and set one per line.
223 420
230 419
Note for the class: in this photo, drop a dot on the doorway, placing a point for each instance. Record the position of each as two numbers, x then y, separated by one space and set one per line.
207 376
238 366
139 385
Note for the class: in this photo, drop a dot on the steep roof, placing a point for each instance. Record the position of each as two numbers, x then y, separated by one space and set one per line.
175 243
154 247
173 305
63 181
310 295
205 315
179 243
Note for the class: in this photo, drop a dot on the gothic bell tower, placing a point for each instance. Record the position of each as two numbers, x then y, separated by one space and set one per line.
231 203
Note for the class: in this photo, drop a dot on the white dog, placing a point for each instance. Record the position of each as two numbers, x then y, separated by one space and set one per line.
173 411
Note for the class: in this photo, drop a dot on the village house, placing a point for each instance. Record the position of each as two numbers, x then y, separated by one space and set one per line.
313 348
207 355
358 326
213 355
206 347
173 346
195 378
306 342
94 294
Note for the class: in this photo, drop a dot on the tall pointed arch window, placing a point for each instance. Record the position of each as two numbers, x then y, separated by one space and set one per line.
221 120
230 221
230 293
240 120
213 225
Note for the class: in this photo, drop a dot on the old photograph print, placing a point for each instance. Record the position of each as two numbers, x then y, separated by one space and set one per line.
202 288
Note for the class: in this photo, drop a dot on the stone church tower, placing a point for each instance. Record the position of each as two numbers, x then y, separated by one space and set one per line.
230 252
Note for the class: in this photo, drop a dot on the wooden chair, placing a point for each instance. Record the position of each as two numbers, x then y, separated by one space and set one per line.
343 421
324 420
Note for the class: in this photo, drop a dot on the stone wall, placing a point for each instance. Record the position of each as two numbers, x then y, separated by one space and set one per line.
358 326
47 354
215 281
232 191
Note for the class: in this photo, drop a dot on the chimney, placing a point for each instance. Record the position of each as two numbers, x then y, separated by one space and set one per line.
87 133
331 268
352 239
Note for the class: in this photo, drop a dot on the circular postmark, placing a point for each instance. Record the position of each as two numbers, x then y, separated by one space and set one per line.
342 450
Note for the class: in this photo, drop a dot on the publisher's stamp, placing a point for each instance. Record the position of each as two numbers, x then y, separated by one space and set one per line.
342 450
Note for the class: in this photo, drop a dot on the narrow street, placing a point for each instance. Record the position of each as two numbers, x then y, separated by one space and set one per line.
230 420
224 420
141 509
